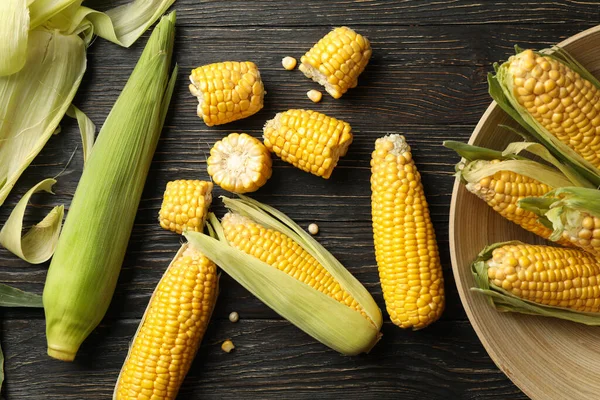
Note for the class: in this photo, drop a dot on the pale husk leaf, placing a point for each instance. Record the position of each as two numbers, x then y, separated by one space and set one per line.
87 129
38 244
14 31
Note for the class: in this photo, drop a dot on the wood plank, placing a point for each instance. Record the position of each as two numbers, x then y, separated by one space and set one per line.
272 359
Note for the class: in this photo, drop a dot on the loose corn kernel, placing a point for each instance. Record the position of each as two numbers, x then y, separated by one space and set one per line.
185 205
234 317
239 163
405 246
503 190
337 60
227 91
308 140
227 346
288 63
564 103
554 276
171 330
282 252
313 229
314 95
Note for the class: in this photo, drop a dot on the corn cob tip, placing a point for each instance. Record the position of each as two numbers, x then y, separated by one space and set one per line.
394 143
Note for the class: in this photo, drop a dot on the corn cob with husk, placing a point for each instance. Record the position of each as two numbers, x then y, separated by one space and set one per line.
83 273
540 280
287 269
405 246
573 213
503 178
166 342
557 101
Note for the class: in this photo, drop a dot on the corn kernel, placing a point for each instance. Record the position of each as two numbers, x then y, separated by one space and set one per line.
288 63
227 346
234 317
314 95
313 229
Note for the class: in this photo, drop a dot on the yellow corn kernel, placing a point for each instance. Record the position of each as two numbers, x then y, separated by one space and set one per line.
313 229
288 63
504 189
171 329
283 253
551 276
227 346
227 91
584 232
185 205
337 60
314 95
405 245
239 163
308 140
564 103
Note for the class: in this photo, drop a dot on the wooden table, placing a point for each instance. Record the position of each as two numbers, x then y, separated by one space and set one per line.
426 80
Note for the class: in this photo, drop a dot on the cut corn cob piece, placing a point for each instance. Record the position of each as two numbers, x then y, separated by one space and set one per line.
227 91
540 280
337 60
300 279
239 163
171 329
308 140
185 205
405 245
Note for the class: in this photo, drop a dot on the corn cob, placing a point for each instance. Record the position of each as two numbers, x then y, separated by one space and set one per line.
308 140
337 60
171 329
227 91
239 163
185 205
405 246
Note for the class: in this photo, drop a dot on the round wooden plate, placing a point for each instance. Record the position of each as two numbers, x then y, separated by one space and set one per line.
546 358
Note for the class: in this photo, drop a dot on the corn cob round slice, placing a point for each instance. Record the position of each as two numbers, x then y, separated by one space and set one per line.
239 163
308 140
405 245
564 103
283 253
551 276
337 60
227 91
185 205
171 329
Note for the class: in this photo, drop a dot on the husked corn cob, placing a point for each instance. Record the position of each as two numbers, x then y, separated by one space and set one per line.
563 102
405 245
239 163
308 140
551 276
283 253
171 330
503 190
337 60
227 91
185 205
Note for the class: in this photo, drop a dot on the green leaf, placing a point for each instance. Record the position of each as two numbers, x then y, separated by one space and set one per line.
87 129
38 244
13 297
471 153
14 31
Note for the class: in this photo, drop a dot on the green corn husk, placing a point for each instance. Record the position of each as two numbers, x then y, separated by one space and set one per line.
83 273
322 317
500 89
507 302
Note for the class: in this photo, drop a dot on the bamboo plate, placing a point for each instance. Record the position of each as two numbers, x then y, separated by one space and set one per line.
546 358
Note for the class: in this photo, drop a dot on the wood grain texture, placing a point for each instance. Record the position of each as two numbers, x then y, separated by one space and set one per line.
426 80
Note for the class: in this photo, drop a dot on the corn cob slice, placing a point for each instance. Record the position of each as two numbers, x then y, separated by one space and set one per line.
405 246
308 140
298 279
239 163
185 205
227 91
171 329
540 280
337 60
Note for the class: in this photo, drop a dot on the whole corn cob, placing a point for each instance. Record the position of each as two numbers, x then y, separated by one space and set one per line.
185 205
227 91
337 60
239 163
405 245
281 252
171 329
308 140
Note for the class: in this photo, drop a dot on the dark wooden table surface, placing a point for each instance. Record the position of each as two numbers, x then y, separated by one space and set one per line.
426 80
